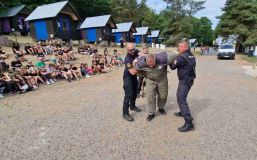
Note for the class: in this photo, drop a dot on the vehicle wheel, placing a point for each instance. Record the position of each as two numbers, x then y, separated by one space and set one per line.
233 58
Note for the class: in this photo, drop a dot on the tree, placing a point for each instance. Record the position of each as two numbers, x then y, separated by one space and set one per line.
239 18
204 34
186 7
88 8
195 6
125 11
180 22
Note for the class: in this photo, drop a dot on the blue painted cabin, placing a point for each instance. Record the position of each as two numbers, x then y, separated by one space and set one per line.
142 35
154 37
14 19
55 20
124 31
99 28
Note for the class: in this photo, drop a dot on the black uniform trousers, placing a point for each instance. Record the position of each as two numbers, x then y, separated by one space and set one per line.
130 87
184 87
140 83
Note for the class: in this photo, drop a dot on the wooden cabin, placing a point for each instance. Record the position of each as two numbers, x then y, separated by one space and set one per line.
124 31
13 19
142 35
96 29
55 20
154 37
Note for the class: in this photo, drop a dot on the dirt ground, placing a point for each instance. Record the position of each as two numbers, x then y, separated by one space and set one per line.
83 119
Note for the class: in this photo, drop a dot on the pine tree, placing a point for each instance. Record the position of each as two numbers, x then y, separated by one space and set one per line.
239 18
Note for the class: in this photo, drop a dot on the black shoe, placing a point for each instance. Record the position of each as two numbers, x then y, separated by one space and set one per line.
188 126
127 117
69 79
178 114
135 109
162 111
150 117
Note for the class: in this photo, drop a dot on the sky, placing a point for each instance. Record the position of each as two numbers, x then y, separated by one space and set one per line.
212 9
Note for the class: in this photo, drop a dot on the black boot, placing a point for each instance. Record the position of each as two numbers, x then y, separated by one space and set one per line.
150 117
135 108
162 111
188 126
178 114
127 117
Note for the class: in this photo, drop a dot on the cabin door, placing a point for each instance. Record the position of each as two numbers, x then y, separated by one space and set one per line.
6 25
41 30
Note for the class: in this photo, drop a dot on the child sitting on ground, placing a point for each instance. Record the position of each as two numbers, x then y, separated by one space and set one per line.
66 73
75 71
3 54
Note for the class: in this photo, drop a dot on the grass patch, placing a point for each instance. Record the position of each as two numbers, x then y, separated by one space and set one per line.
249 59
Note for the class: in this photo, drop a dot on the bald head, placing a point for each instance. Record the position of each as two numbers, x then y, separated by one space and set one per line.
151 60
130 48
183 46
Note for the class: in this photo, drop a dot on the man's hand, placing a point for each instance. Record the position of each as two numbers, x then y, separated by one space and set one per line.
135 62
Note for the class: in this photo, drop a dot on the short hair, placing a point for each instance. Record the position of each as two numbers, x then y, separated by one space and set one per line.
150 56
184 40
145 46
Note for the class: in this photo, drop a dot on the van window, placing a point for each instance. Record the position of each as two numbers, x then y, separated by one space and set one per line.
226 47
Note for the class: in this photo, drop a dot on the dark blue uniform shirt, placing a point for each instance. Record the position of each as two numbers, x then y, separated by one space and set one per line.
129 63
186 66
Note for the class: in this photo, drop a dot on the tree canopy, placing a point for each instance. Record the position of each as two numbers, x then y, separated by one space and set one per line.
239 18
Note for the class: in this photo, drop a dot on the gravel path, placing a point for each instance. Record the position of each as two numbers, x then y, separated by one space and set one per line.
83 120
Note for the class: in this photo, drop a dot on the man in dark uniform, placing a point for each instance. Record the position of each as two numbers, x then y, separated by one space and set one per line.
185 64
130 82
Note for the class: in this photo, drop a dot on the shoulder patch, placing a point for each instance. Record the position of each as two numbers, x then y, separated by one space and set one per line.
191 57
129 65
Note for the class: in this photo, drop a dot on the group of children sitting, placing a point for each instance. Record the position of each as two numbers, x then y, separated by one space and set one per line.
62 54
18 78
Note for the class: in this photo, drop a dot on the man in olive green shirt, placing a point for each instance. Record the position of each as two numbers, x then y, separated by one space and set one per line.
154 68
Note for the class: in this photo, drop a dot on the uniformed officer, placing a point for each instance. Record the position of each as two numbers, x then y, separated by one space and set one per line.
185 64
154 67
130 83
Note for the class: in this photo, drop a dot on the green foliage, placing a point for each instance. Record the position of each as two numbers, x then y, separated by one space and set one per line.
240 18
125 11
88 8
179 22
204 33
186 7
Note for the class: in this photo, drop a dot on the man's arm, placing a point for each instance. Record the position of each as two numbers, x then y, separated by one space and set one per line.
140 63
171 58
129 65
132 70
178 62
